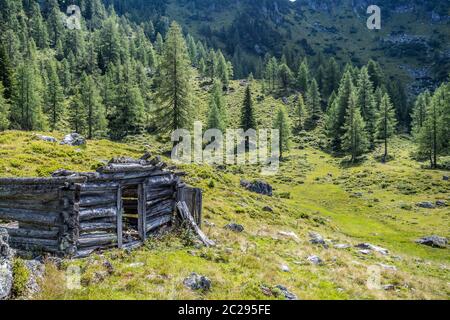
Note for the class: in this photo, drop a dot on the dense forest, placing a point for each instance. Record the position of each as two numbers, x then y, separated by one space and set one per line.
117 77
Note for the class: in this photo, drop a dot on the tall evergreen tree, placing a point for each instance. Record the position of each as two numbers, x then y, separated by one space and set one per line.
300 115
248 118
93 107
174 83
4 110
314 105
386 123
336 113
6 72
366 102
303 76
217 109
375 73
419 112
354 140
285 76
53 99
271 73
281 123
332 77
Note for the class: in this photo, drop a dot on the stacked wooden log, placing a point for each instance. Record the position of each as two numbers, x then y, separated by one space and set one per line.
32 209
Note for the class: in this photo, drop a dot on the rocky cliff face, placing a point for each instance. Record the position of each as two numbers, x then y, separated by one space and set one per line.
6 273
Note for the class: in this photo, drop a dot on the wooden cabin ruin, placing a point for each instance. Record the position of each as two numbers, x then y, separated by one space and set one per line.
73 214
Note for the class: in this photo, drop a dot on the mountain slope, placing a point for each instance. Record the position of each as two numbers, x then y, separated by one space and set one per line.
413 42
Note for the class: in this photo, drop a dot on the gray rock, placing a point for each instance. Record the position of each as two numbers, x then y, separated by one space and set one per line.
342 246
197 282
365 251
46 138
387 267
316 238
258 186
426 205
315 260
286 293
267 209
6 272
441 203
234 227
445 178
369 246
74 139
285 268
433 241
36 270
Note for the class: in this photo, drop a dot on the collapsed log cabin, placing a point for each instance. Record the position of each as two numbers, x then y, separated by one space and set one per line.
74 213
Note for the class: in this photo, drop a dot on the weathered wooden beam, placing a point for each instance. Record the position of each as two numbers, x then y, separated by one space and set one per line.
91 240
186 216
127 167
34 204
96 213
164 207
156 222
92 201
33 233
50 219
119 230
60 181
34 244
154 194
97 226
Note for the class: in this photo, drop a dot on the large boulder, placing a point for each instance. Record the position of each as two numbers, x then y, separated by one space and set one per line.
234 227
371 247
426 205
74 139
6 272
258 186
433 241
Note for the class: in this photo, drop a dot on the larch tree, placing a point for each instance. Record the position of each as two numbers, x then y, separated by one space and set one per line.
282 124
303 76
386 123
54 96
419 113
217 108
4 110
93 107
354 140
314 105
174 83
366 102
300 114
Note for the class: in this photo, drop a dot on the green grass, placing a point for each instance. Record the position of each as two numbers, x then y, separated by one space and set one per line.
313 192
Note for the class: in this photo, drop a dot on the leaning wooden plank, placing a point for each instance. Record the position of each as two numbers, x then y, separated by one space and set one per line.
31 233
29 217
186 216
155 223
96 213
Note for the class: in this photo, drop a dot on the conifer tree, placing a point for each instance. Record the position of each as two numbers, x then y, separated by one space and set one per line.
271 73
281 123
223 70
6 72
419 112
174 83
217 111
336 113
53 97
300 115
4 110
248 118
303 76
332 77
285 76
433 137
314 105
375 73
366 102
354 140
93 107
386 123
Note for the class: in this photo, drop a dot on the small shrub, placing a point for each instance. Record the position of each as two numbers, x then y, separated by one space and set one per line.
21 276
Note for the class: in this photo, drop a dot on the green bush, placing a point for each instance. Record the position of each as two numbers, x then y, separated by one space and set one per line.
21 276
